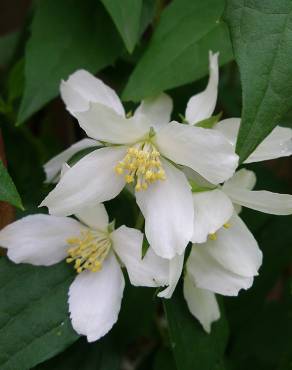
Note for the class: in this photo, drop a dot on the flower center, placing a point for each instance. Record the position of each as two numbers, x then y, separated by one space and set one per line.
89 250
141 165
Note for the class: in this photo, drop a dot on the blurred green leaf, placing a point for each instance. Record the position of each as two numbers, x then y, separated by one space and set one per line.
192 347
16 81
178 50
126 15
65 35
262 41
164 360
101 355
8 44
34 319
8 191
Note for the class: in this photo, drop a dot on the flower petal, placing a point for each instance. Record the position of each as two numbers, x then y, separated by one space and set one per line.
212 210
236 249
95 300
168 211
242 179
202 304
92 179
202 105
229 128
53 166
103 123
94 216
39 239
205 151
82 87
206 273
156 110
261 200
151 271
175 270
277 144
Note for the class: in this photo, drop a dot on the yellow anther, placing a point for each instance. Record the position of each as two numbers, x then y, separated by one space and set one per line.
89 250
227 225
141 165
213 236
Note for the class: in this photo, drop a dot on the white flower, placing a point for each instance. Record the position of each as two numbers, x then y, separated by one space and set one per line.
93 247
142 150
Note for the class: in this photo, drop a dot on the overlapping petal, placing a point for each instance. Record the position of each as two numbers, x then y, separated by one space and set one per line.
212 210
90 180
174 272
95 216
151 271
81 88
168 211
242 179
103 123
39 239
95 299
155 110
202 105
202 304
53 166
205 151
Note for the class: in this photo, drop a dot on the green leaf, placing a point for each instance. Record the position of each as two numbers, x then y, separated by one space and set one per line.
65 35
8 44
8 191
192 347
262 41
164 360
178 50
209 122
101 355
34 320
126 15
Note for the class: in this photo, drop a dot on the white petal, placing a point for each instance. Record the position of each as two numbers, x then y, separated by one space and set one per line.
277 144
202 105
212 210
156 110
39 239
151 271
201 303
207 273
168 211
92 179
82 87
175 270
53 166
103 123
242 179
95 216
95 299
229 128
261 200
236 249
205 151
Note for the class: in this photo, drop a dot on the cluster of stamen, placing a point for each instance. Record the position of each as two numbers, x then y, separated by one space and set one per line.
89 250
141 165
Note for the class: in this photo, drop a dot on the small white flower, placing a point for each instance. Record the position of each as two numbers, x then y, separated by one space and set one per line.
142 150
92 247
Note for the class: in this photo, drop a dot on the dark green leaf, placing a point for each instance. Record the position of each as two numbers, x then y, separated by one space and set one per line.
192 347
65 35
262 41
164 360
178 51
34 320
126 15
8 44
8 191
101 355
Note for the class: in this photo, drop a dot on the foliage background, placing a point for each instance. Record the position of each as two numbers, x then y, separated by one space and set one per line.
141 48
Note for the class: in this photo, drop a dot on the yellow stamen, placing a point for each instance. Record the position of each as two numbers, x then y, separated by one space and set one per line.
141 165
213 236
88 251
227 225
